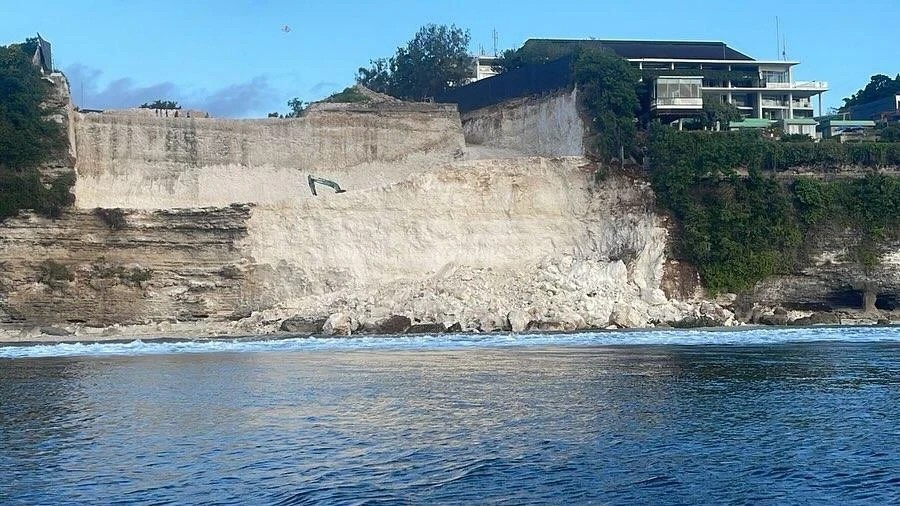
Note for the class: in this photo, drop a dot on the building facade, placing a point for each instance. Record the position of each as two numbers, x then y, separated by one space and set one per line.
683 76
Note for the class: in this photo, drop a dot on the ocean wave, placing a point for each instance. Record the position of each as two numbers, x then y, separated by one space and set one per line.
455 341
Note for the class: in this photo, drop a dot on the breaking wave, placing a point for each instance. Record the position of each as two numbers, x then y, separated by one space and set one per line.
457 341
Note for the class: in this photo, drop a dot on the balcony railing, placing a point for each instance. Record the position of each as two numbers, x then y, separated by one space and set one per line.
677 103
796 85
815 85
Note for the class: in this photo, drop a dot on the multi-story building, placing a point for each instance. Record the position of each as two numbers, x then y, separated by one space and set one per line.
682 76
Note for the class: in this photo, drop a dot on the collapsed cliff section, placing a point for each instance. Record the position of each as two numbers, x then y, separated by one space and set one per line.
90 269
468 245
428 229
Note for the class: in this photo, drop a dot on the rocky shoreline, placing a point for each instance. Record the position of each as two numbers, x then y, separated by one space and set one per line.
341 325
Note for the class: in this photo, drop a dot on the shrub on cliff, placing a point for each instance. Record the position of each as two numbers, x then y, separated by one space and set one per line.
27 138
737 229
607 86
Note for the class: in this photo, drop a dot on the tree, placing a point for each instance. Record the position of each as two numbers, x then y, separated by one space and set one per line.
435 60
607 85
889 133
717 114
27 137
880 86
298 108
161 104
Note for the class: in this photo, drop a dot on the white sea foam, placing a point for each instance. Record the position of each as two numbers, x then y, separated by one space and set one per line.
456 341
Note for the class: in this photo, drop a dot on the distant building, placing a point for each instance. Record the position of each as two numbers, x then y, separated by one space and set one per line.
43 57
484 67
846 130
682 76
886 109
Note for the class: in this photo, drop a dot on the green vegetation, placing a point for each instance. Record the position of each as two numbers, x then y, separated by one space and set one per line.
436 59
350 95
27 138
738 229
607 87
133 276
880 86
717 114
161 104
113 218
889 133
54 274
297 106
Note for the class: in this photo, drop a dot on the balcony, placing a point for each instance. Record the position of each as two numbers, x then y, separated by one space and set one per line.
677 103
797 85
815 86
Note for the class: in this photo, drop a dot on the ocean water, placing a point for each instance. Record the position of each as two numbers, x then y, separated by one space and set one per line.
776 416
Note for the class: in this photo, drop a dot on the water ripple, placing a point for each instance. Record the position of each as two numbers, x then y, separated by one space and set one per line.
774 416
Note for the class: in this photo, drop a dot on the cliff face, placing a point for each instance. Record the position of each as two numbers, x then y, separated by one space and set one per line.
145 162
834 280
219 233
174 265
539 126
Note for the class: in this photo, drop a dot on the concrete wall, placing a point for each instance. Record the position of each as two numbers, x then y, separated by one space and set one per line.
544 126
145 162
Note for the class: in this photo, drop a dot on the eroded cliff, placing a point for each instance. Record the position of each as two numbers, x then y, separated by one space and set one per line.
197 226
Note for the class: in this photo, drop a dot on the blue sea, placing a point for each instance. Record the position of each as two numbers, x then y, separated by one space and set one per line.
774 416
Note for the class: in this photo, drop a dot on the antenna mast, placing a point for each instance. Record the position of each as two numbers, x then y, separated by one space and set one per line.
494 35
777 38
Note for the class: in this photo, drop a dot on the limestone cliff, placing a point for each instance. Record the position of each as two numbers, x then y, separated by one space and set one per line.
198 226
142 267
147 162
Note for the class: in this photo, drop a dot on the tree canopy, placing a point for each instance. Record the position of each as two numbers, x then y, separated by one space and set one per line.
607 87
435 60
161 104
27 137
880 86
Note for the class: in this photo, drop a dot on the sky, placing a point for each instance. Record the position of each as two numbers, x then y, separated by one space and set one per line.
235 58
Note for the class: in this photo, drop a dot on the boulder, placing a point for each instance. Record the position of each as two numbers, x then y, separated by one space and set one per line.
821 318
55 331
426 328
301 325
337 324
572 321
546 326
518 320
772 319
492 323
394 324
623 316
455 327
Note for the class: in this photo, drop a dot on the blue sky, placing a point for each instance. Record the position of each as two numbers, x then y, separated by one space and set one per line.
233 58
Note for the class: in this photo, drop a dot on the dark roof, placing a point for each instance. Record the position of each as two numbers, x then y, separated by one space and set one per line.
875 109
634 49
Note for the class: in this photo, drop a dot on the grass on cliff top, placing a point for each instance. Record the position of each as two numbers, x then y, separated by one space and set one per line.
350 95
738 230
27 138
